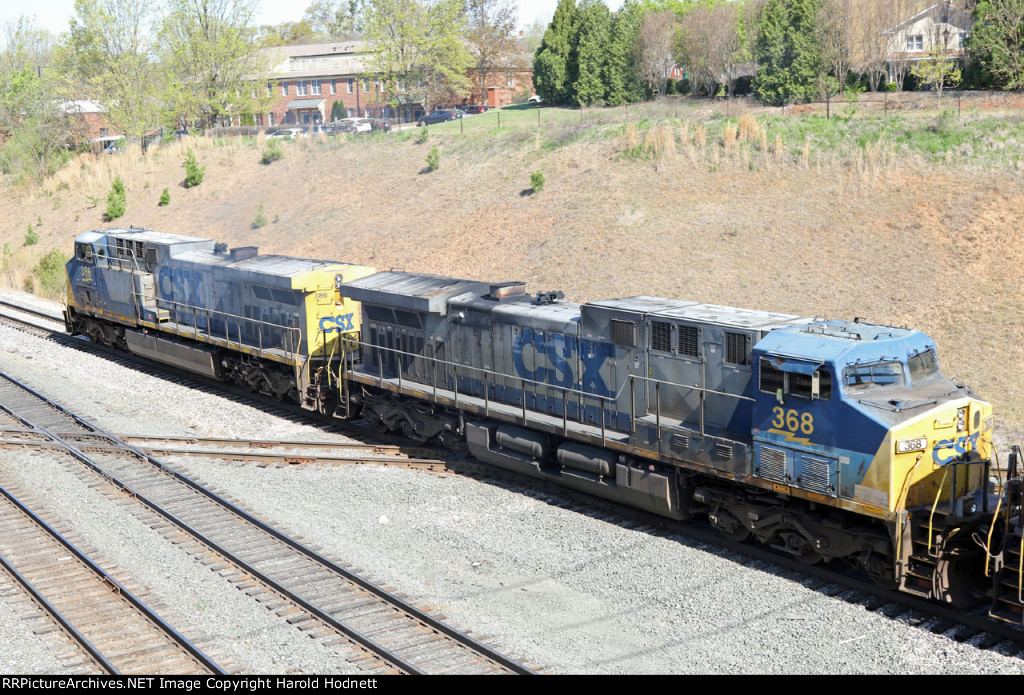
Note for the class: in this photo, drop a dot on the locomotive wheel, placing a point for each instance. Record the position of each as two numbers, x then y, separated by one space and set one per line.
729 526
960 577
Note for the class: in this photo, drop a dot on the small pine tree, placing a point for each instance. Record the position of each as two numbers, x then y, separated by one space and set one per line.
261 218
434 159
272 153
537 181
31 237
117 200
193 172
165 198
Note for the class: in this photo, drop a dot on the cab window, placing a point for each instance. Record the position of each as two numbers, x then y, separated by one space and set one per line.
863 377
84 253
817 385
923 366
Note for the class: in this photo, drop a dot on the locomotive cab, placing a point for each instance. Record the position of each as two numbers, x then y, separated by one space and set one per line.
862 413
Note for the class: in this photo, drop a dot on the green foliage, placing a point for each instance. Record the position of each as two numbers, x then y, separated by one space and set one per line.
537 181
261 218
422 135
117 200
788 52
592 38
434 159
272 153
892 87
937 71
31 236
50 272
193 172
997 38
553 65
165 198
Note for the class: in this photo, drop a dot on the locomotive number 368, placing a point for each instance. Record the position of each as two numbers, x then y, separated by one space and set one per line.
792 420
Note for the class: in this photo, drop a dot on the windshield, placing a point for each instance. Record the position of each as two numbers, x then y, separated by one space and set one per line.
923 366
863 377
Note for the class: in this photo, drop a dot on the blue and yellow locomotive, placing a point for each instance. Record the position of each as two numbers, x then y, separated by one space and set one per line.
273 323
825 439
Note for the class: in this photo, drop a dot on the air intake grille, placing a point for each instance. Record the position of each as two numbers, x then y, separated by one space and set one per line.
624 332
661 336
723 452
815 475
687 342
773 465
680 441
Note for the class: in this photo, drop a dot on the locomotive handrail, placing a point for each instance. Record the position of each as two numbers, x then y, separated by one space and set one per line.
289 343
566 392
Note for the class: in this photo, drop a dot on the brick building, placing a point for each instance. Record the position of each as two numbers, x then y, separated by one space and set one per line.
318 83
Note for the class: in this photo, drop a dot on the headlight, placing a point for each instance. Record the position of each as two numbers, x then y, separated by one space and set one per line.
961 419
905 445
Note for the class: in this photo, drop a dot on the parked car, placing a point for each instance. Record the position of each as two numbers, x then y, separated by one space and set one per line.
474 108
436 117
323 129
535 99
353 125
288 134
458 113
381 124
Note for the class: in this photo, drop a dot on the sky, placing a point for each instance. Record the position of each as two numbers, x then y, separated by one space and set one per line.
53 14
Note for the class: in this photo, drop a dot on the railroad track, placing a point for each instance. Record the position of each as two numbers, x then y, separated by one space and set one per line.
115 632
262 452
317 595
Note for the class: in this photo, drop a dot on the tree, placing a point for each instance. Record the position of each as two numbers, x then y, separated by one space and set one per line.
654 49
938 70
490 34
108 49
624 81
554 63
417 48
337 19
998 38
592 38
210 54
788 53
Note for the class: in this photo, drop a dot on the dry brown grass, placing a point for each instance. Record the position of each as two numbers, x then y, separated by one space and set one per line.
898 241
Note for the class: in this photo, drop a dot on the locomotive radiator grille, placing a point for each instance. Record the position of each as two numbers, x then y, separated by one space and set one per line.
773 465
815 475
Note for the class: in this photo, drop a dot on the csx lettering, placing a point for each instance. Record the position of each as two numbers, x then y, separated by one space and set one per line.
181 285
556 350
946 450
329 324
792 420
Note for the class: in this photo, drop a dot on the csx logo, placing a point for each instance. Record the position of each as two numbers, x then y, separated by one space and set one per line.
946 450
329 324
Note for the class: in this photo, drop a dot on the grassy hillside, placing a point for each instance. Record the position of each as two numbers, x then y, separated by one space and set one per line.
911 219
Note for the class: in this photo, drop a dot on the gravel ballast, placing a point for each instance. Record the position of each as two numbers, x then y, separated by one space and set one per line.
566 591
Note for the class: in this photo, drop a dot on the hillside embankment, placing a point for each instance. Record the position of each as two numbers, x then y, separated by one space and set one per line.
755 209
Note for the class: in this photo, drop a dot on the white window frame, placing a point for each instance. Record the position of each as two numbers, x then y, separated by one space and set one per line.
351 82
316 88
300 88
284 89
915 43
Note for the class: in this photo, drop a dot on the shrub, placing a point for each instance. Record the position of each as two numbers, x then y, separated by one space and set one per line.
272 153
50 273
537 181
165 198
261 218
117 200
31 237
423 135
193 172
434 159
891 87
